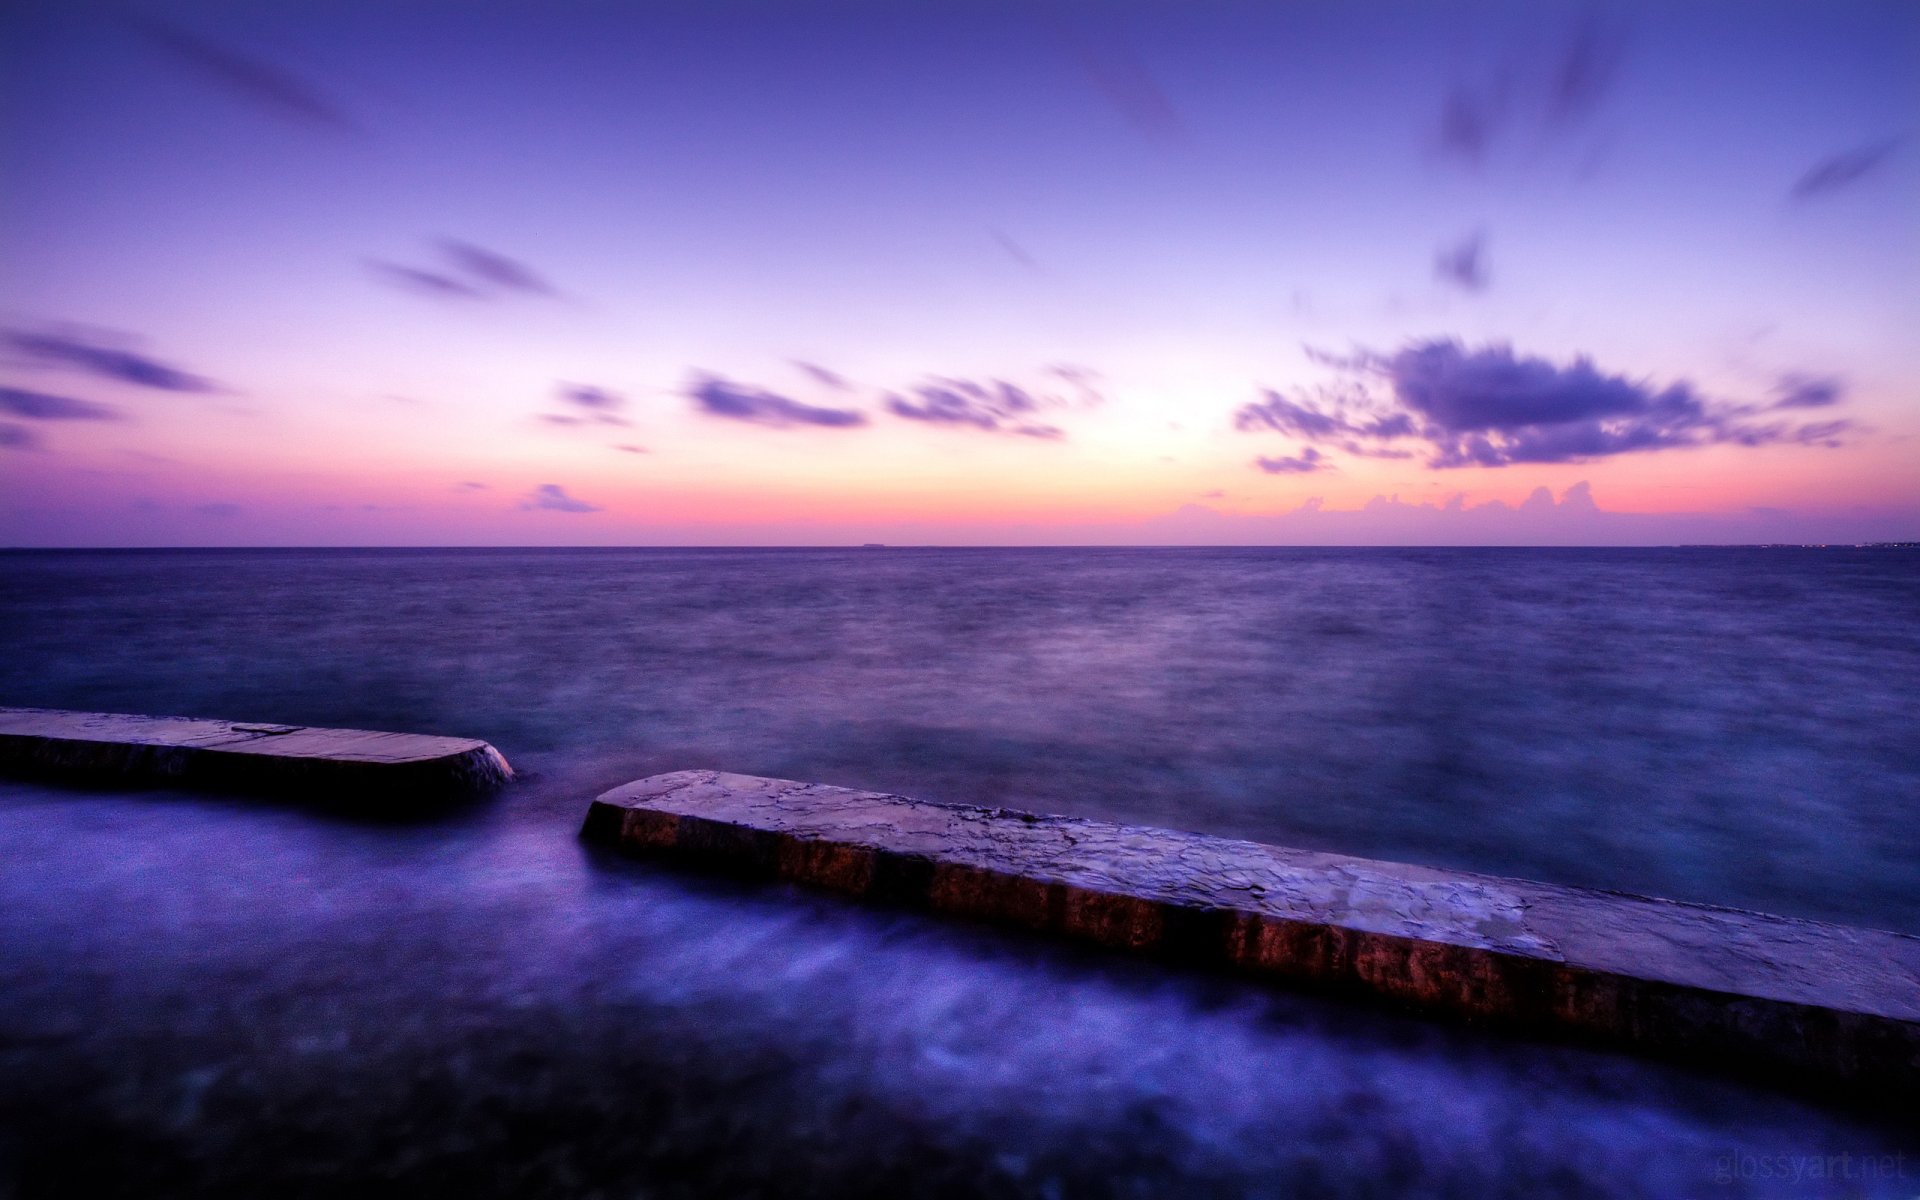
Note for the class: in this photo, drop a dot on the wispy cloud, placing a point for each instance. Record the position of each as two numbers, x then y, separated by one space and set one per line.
1588 63
268 87
1464 264
596 405
716 397
1307 460
465 271
40 406
1015 250
18 437
1490 407
598 399
423 282
1123 79
494 269
1808 391
993 405
824 376
1470 116
554 498
1545 96
1843 170
92 355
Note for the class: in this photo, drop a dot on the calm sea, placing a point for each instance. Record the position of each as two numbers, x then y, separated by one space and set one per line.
205 994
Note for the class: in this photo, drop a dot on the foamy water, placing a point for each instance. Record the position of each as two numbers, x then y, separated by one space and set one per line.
213 994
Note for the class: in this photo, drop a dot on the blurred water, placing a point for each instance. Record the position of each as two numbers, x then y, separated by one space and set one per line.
204 994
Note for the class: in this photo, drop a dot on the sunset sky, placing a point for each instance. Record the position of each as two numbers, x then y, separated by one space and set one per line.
408 273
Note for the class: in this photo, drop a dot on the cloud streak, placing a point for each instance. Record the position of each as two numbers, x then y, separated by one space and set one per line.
103 360
423 282
465 271
1808 391
994 406
1306 461
717 397
255 81
1840 171
1490 407
597 399
39 406
493 269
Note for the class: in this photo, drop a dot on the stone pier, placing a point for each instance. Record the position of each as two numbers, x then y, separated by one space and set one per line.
350 765
1808 1004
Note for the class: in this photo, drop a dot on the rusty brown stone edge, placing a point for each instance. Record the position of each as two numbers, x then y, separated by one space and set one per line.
1863 1057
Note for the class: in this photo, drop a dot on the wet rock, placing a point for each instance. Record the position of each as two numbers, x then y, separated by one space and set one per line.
353 764
1816 1005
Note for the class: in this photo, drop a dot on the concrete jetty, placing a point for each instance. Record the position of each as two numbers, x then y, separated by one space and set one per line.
350 764
1812 1004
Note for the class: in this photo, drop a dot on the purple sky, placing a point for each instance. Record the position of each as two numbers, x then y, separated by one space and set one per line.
356 272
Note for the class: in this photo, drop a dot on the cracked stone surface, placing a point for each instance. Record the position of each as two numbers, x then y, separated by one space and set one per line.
1759 993
243 755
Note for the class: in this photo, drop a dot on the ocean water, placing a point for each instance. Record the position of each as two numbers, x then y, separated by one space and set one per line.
202 994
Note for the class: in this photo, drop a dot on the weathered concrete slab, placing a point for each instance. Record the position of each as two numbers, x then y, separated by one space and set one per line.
236 755
1821 1004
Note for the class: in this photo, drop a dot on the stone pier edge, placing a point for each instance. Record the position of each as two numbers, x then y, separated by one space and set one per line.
1862 1058
345 766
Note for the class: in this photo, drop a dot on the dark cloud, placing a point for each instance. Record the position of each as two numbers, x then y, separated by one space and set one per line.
554 498
739 402
260 83
18 437
492 268
39 406
1464 264
1844 170
1808 391
1490 407
86 353
1471 391
1307 460
995 406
